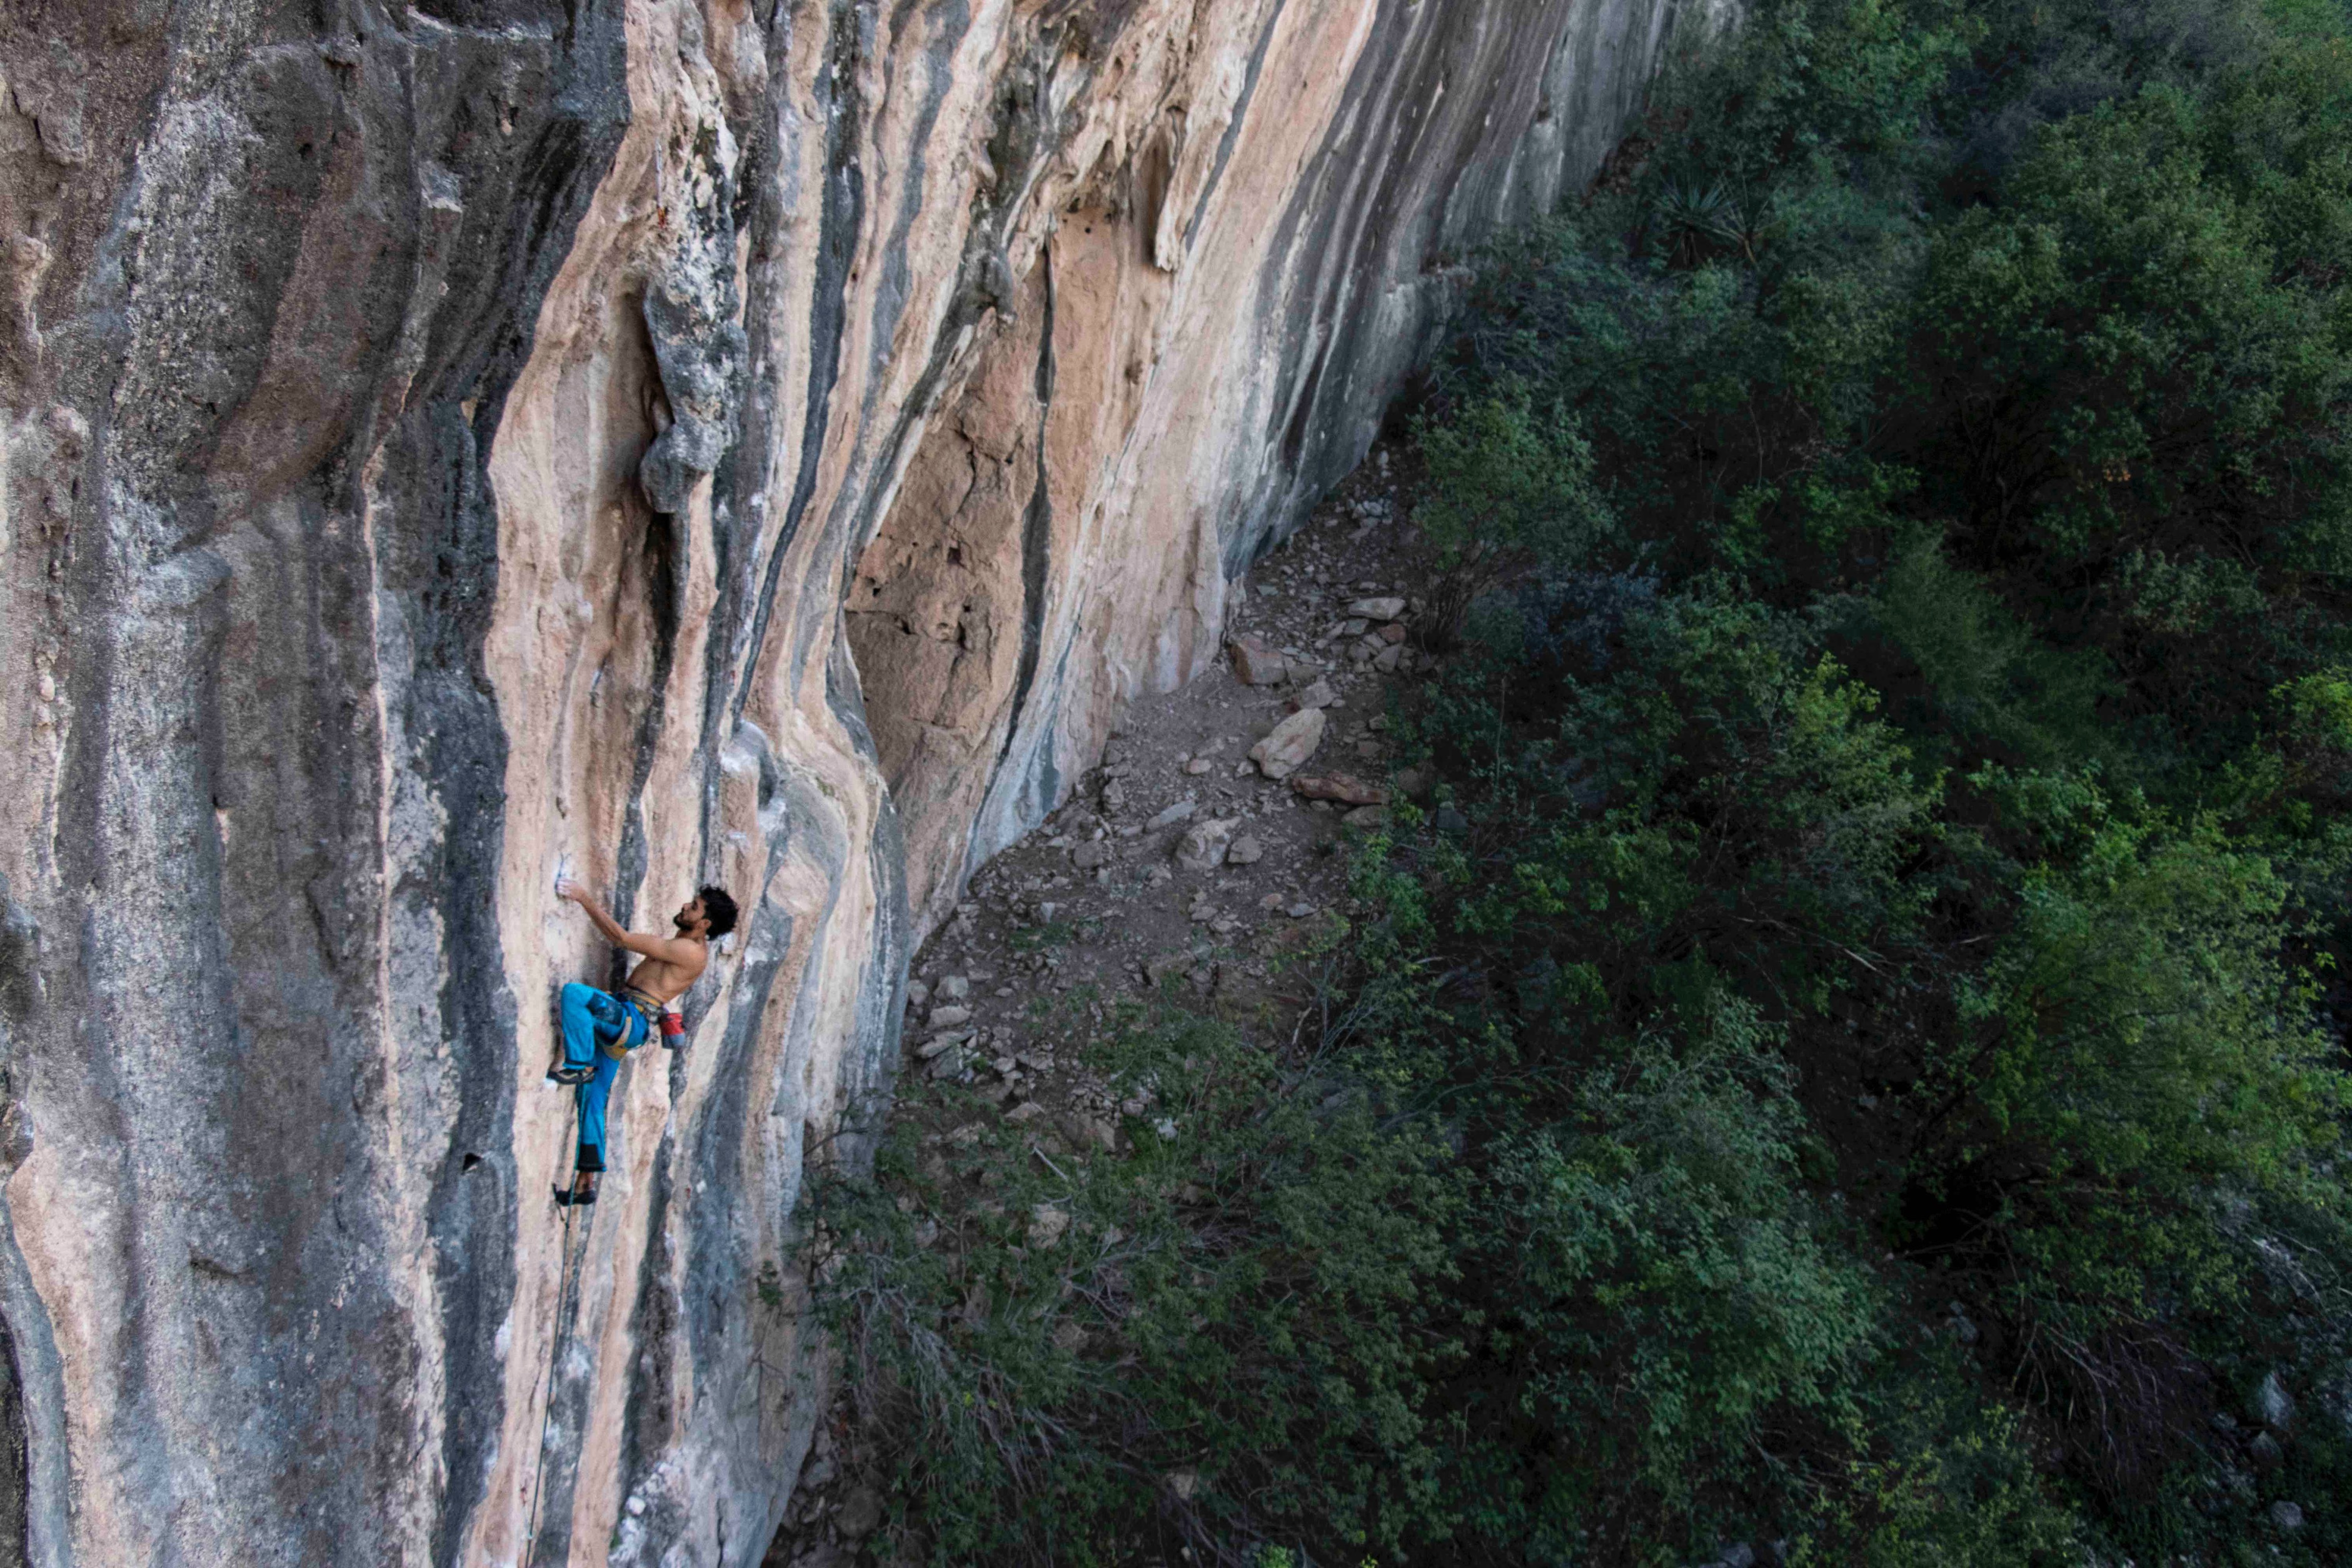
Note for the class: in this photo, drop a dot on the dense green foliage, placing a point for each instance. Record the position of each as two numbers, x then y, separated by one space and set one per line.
1849 1054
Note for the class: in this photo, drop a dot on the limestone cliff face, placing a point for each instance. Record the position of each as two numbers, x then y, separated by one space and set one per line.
444 445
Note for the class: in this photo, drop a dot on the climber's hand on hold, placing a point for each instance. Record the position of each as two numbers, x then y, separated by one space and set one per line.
687 955
567 888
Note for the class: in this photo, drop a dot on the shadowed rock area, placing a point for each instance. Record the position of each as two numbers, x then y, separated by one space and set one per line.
447 446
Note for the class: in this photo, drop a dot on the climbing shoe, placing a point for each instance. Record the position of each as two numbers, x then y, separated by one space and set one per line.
569 1075
565 1198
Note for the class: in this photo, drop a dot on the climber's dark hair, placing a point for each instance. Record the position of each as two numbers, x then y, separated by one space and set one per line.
720 908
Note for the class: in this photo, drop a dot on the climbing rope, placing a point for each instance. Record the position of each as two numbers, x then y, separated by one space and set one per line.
565 1279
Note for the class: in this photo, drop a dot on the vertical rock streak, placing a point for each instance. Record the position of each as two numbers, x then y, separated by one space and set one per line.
1036 529
448 445
840 214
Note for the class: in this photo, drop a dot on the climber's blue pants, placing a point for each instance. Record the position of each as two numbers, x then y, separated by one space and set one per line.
593 1020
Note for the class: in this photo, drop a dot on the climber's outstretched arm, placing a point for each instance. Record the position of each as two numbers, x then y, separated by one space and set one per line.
670 949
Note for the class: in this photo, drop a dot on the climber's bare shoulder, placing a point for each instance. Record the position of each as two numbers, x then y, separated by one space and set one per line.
673 963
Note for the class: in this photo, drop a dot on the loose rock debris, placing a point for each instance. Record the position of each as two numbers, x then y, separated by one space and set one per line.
1199 851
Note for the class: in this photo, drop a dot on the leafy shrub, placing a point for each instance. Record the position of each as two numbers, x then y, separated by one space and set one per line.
1509 488
1979 672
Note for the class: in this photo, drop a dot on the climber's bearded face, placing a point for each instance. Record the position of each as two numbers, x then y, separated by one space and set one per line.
690 919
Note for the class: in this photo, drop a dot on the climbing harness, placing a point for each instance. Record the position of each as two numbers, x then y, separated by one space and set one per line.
648 1012
660 1017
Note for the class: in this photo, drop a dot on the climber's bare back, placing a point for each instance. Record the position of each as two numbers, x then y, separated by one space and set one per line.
671 964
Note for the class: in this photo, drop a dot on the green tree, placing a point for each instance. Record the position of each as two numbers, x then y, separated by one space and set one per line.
1509 489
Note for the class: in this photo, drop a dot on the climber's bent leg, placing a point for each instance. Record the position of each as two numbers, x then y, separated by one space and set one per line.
589 1018
612 1031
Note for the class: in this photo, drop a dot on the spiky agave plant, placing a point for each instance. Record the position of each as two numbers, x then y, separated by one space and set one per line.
1699 221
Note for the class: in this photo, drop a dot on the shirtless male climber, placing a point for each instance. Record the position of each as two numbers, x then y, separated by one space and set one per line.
600 1029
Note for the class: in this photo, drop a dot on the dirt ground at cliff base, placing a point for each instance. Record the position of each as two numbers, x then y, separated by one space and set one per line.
1177 859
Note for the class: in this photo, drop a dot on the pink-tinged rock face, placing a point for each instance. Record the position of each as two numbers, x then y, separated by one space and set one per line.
654 442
